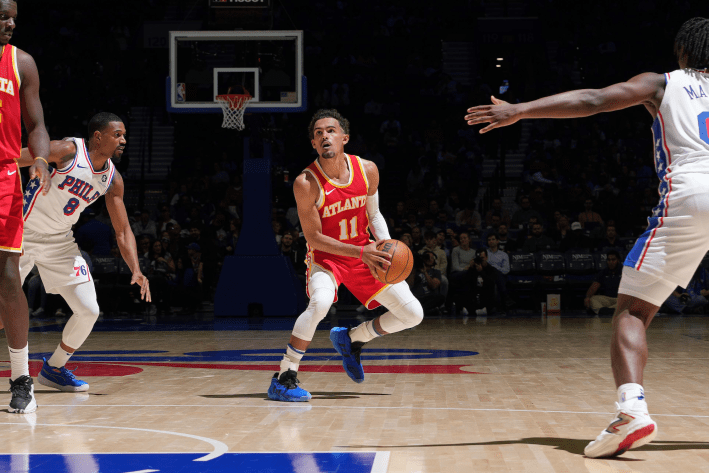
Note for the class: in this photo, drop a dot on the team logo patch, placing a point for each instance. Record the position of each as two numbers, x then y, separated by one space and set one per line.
104 178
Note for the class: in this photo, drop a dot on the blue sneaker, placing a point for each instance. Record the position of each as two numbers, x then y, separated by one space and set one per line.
286 388
350 352
60 378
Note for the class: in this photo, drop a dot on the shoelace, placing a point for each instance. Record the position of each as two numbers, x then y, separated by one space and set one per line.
68 373
20 389
290 383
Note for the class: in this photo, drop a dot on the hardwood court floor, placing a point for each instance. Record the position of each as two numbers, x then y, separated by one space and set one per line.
507 395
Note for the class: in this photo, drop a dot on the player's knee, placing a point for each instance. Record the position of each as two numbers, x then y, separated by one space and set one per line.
89 311
411 314
320 302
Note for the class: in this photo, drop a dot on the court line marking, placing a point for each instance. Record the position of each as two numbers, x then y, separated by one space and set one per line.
220 448
381 462
239 406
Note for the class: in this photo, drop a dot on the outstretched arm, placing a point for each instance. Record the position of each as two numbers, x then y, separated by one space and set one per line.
377 222
33 117
124 234
647 89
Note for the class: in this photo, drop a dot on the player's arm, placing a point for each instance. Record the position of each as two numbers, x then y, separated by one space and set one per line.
60 153
124 234
377 222
33 117
306 192
646 89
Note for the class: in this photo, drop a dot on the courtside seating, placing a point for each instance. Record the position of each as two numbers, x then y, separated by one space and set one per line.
580 272
522 278
551 267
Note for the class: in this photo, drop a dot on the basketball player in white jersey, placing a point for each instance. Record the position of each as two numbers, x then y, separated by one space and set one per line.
676 239
84 172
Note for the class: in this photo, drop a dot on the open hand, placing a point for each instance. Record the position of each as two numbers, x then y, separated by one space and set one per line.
142 281
499 114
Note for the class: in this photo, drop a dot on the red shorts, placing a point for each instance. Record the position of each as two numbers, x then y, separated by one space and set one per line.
351 272
11 223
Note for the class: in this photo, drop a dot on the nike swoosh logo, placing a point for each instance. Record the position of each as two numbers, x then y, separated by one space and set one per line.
11 173
82 167
331 191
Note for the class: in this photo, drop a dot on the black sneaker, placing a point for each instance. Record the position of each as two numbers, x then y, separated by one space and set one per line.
22 401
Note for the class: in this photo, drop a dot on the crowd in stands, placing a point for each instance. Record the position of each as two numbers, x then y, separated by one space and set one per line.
587 185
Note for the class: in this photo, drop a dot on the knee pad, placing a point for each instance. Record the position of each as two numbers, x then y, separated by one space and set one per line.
322 295
405 310
82 301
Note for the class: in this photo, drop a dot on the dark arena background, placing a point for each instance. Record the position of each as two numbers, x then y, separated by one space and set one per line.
510 373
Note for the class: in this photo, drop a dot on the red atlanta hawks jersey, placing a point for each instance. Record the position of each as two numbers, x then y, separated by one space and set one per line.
10 111
342 207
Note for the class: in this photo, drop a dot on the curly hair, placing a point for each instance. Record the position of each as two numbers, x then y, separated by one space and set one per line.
693 40
328 113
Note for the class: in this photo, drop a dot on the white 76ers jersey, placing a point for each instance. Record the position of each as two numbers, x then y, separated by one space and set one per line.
73 189
681 129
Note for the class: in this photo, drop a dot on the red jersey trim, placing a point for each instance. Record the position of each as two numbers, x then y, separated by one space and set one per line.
321 199
375 295
339 186
15 68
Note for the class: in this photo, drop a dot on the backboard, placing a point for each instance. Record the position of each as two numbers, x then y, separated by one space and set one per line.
204 64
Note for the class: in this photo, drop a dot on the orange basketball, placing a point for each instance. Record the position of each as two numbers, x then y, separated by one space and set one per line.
402 260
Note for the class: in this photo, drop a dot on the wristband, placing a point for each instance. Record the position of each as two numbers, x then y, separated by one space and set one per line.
40 157
361 252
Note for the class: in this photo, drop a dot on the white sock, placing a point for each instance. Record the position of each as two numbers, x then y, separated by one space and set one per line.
19 362
291 360
59 358
364 332
630 392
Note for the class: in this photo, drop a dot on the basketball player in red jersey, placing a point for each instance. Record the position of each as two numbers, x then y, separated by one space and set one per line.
338 205
19 99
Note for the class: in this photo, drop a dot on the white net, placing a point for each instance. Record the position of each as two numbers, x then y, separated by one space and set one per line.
233 107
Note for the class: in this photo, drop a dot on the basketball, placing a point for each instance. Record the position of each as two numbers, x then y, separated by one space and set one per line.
402 260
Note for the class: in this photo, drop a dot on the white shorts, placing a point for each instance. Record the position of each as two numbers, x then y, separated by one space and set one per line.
644 286
677 236
58 260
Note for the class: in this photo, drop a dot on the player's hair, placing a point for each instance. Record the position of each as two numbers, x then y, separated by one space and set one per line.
328 113
101 120
693 40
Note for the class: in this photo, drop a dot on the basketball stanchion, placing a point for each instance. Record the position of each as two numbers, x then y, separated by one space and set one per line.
233 106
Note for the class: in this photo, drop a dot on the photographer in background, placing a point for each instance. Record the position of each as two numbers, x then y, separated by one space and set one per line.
479 287
693 299
425 282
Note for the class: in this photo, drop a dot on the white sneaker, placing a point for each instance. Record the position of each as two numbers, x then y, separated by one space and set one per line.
631 428
481 312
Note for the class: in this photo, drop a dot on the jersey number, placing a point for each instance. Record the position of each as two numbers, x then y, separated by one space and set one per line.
71 206
343 228
703 119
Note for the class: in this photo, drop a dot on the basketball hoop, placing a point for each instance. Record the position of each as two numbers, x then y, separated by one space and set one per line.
233 106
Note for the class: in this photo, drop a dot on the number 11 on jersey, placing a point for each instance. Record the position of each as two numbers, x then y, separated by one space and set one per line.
353 228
